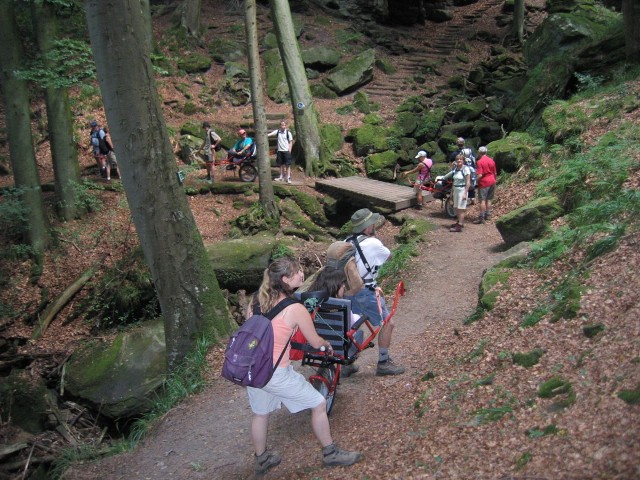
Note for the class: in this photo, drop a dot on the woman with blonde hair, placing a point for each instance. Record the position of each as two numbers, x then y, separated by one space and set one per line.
287 386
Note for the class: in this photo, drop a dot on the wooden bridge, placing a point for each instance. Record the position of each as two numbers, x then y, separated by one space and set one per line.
367 192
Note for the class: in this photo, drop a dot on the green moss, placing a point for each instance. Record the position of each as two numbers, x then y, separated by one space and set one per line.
564 119
567 298
531 319
591 331
300 223
385 66
528 359
632 397
318 90
332 137
309 204
523 460
488 294
194 63
556 386
361 102
372 119
537 432
414 229
488 380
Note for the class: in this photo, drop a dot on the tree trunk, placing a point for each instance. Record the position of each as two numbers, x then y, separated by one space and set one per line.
267 198
190 18
145 8
306 120
190 298
59 121
518 20
23 159
631 14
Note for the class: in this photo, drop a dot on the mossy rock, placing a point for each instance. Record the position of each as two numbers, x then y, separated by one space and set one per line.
120 378
294 215
557 386
429 124
488 294
413 229
467 111
309 204
239 264
361 102
528 359
488 131
321 58
331 135
319 90
529 221
564 119
225 50
381 165
370 139
406 123
385 66
277 87
512 152
194 63
352 74
372 119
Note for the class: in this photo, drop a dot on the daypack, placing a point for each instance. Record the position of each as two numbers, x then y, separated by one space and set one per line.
473 177
103 145
95 138
248 359
469 157
342 256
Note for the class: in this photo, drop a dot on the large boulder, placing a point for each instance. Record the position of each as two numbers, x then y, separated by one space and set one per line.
321 58
370 139
511 152
381 165
239 264
429 124
121 377
352 74
227 50
468 110
529 221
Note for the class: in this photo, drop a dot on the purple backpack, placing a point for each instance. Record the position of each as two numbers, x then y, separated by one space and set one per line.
248 359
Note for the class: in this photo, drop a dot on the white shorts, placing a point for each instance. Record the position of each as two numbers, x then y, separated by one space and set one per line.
458 199
286 386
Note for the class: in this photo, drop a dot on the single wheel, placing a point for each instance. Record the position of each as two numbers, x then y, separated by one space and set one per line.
326 381
248 173
448 206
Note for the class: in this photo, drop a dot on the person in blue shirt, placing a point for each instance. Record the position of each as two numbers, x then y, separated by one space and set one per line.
242 147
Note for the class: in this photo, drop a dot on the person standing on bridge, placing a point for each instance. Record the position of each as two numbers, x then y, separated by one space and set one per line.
424 175
370 256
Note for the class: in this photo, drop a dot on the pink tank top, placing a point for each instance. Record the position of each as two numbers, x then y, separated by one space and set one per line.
281 334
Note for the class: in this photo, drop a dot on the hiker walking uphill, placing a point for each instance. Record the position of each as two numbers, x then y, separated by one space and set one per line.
97 137
287 386
283 151
370 256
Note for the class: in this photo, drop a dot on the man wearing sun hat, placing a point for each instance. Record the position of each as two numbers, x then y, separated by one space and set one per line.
370 256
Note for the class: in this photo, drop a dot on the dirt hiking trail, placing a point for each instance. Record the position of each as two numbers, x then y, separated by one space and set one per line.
207 436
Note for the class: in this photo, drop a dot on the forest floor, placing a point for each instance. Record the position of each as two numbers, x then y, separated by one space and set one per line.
409 426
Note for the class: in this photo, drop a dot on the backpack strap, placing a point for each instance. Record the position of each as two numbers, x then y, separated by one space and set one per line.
354 240
271 314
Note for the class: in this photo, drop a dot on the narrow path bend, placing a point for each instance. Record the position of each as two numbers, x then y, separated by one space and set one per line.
207 437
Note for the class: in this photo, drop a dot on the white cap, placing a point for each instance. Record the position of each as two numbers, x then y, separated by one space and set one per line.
421 153
482 149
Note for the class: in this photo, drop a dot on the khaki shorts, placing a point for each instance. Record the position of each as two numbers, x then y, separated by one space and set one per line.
286 386
111 158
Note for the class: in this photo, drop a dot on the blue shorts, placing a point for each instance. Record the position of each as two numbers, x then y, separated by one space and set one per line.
364 303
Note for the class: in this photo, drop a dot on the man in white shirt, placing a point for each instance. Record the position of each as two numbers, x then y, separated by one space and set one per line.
365 302
283 151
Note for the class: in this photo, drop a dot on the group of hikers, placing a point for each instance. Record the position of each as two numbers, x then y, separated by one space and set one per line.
281 279
102 149
468 176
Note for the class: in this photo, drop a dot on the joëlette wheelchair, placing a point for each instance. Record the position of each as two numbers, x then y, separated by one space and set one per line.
332 319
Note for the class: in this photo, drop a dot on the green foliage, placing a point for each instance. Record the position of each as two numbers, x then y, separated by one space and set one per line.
14 223
85 199
536 432
591 331
632 397
528 359
69 63
588 82
531 319
553 387
491 414
478 352
281 250
393 268
345 110
523 460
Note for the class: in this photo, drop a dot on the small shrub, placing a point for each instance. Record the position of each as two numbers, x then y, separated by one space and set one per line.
528 359
632 397
536 432
591 331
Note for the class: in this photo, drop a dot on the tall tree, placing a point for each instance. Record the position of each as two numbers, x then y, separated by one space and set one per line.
518 20
59 120
190 298
267 198
190 17
631 14
306 120
23 159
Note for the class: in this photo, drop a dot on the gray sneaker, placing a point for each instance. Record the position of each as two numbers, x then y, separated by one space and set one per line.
349 370
332 456
388 368
266 461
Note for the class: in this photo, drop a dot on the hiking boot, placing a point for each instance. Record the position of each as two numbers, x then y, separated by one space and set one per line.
332 456
487 216
457 228
279 179
289 180
388 368
478 221
266 461
349 370
455 225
